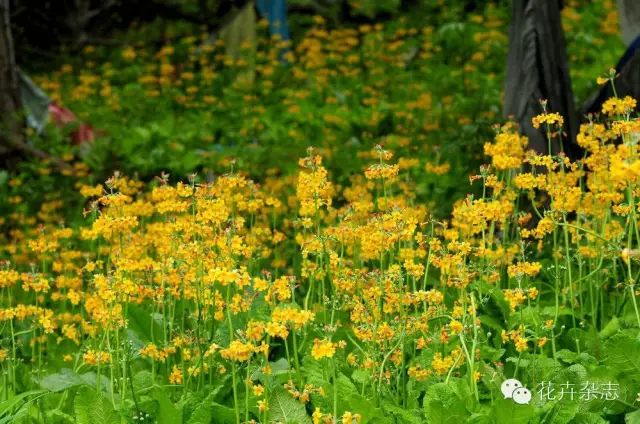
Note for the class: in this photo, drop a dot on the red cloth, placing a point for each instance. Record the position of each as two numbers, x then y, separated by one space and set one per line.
61 117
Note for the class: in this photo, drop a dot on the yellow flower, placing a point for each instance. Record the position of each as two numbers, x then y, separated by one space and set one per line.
521 344
515 297
441 365
347 418
258 390
547 118
94 357
176 376
524 268
323 349
238 351
129 54
615 106
456 327
317 416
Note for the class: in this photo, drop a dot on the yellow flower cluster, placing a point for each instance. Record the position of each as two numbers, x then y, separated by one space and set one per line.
226 278
548 119
616 106
323 349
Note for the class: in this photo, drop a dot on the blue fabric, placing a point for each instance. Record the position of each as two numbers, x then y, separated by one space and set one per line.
628 54
275 11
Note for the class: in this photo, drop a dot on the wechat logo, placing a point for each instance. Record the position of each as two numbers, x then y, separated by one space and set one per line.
513 389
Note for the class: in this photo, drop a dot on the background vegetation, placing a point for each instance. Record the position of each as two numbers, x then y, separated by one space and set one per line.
290 235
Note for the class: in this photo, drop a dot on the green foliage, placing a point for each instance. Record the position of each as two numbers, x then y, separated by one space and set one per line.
207 410
16 407
67 379
632 417
448 402
167 411
349 399
623 355
93 408
507 411
285 409
371 8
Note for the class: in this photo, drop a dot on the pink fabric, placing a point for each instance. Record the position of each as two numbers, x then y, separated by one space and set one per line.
61 117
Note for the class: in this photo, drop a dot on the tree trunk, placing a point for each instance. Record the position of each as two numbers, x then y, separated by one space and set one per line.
12 126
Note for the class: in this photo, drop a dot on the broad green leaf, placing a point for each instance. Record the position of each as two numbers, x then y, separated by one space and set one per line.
587 339
167 412
360 376
528 315
539 367
567 356
82 403
279 370
209 409
189 403
142 380
281 366
142 323
147 405
367 410
632 417
520 362
318 374
479 418
443 404
201 415
623 354
550 311
492 322
63 380
59 417
561 412
491 354
402 415
588 418
223 414
92 407
507 411
67 378
568 382
627 392
462 390
284 408
414 391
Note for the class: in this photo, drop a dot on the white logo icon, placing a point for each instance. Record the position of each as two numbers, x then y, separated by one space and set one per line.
513 389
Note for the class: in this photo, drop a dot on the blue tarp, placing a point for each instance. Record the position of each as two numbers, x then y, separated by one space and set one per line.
275 11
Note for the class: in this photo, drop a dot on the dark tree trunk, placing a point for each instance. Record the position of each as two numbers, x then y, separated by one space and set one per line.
11 125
